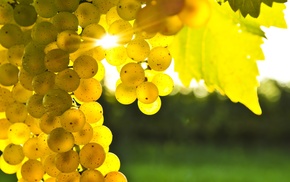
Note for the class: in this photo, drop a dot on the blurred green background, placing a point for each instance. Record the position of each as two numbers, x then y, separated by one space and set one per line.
199 138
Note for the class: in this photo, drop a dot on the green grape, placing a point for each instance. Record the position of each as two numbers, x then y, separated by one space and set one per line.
68 5
116 56
150 109
68 177
85 135
4 126
93 32
45 8
132 74
67 80
112 15
57 101
44 33
33 148
6 99
25 79
123 30
33 124
89 90
92 155
111 163
68 40
160 40
105 5
24 14
124 94
20 94
138 49
101 71
127 9
67 162
164 83
102 135
59 140
43 82
85 66
73 120
49 122
8 74
115 176
147 92
49 165
10 35
159 58
34 106
16 112
93 111
15 54
56 60
87 13
13 154
18 133
65 21
6 13
90 175
32 170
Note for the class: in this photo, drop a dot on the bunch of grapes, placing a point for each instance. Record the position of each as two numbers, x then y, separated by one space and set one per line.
51 70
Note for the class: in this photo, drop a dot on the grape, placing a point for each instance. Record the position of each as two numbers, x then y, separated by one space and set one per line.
10 35
111 163
125 94
92 155
170 7
43 82
56 60
85 66
101 72
49 122
6 99
105 5
56 101
8 168
32 170
122 29
102 135
150 109
68 40
115 176
18 133
49 165
73 120
6 13
24 14
87 13
91 175
59 140
93 111
68 5
68 177
4 126
25 79
171 25
138 49
45 8
159 58
147 92
16 112
33 124
161 40
8 74
93 31
33 148
34 106
127 9
132 74
116 56
89 90
13 154
112 15
164 83
15 54
65 21
50 179
84 136
67 162
67 80
44 33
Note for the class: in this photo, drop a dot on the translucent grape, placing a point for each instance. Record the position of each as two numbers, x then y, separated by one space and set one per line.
89 90
93 111
59 140
171 25
43 82
56 60
68 177
159 58
92 32
33 148
15 54
164 83
105 5
49 165
170 7
8 168
8 74
34 106
45 8
85 66
122 29
6 13
49 122
132 74
68 5
6 99
65 21
44 33
115 176
111 163
33 124
16 112
4 126
18 133
102 135
127 9
24 14
13 154
10 35
68 40
32 170
150 109
160 40
112 15
125 95
92 155
87 13
138 49
25 79
73 120
67 80
92 175
67 162
101 71
116 56
84 136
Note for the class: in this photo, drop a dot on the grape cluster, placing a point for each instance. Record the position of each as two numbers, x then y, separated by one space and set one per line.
51 72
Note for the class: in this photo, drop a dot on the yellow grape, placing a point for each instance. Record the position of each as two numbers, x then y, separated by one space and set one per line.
150 109
132 74
127 9
6 99
138 49
15 54
34 148
32 170
160 40
159 58
25 79
13 154
10 35
56 60
87 13
68 177
91 175
164 83
85 66
68 5
16 112
68 40
116 56
93 32
6 13
115 176
18 133
21 94
101 71
85 135
171 25
50 179
49 165
43 82
102 135
34 106
44 33
59 140
170 7
122 29
4 126
49 122
92 155
112 15
124 94
67 80
65 21
111 163
24 14
89 90
93 111
147 92
73 120
8 168
8 74
105 5
67 162
33 124
45 8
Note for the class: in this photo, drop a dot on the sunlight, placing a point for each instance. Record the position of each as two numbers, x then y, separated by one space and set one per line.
108 41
